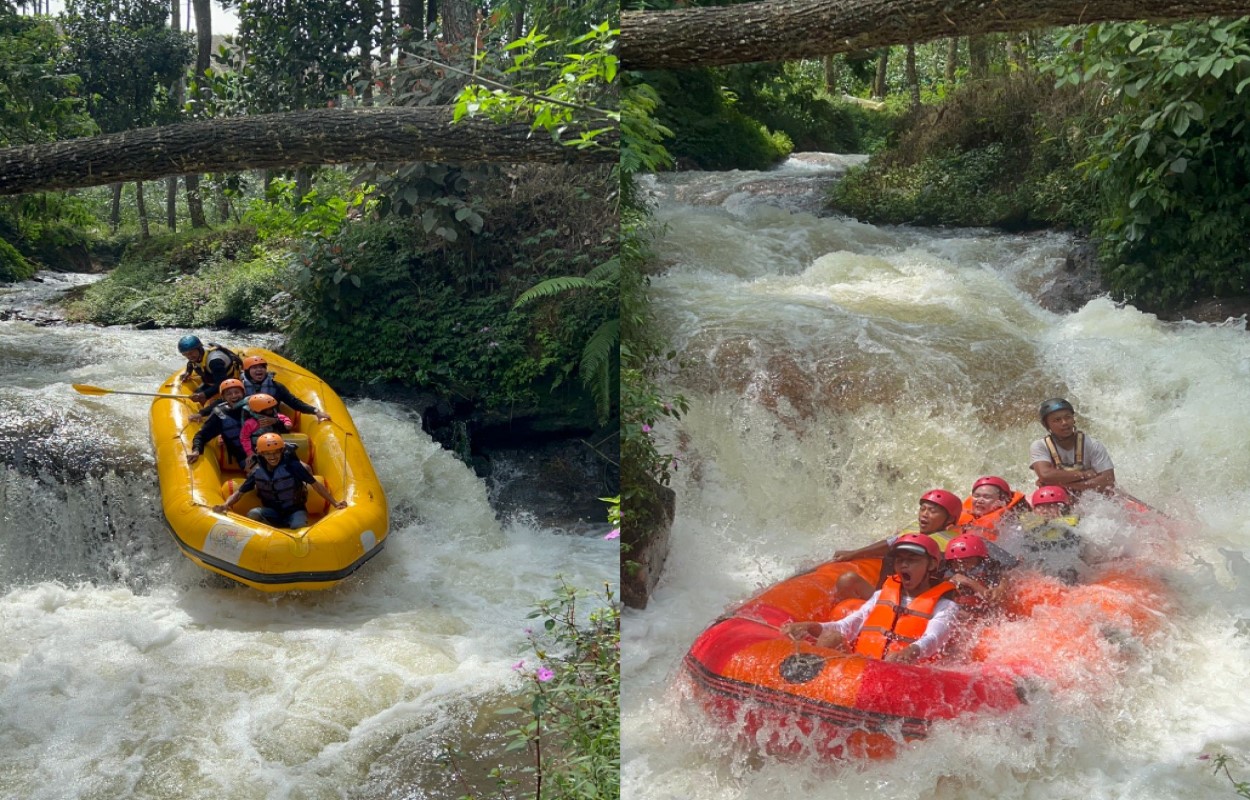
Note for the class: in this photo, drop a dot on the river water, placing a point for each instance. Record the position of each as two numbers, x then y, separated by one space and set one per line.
126 671
836 370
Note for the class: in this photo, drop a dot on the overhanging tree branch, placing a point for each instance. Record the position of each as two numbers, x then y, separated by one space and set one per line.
783 30
279 141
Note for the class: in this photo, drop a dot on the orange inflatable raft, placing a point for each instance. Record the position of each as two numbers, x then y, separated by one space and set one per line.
796 698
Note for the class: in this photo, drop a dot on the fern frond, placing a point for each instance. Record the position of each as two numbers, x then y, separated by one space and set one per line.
607 272
552 286
596 364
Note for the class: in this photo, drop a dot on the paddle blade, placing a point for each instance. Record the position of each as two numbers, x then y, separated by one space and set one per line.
83 388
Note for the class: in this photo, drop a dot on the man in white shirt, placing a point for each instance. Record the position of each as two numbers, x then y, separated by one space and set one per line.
1067 457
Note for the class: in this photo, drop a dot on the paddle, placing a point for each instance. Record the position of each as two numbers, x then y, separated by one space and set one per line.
96 391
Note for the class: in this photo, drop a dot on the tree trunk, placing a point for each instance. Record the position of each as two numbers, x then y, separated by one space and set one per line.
195 202
458 19
171 200
832 78
788 30
518 19
952 58
411 13
291 139
203 60
303 184
978 58
144 233
115 214
386 37
223 204
913 81
364 41
879 85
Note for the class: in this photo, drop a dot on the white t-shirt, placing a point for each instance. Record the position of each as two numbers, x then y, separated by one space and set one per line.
931 641
1096 456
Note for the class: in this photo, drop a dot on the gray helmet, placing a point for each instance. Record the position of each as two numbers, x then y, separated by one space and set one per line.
1053 405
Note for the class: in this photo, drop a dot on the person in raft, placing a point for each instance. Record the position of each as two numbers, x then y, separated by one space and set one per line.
210 365
260 416
992 503
257 379
1051 542
910 618
280 479
936 517
1067 457
978 575
224 419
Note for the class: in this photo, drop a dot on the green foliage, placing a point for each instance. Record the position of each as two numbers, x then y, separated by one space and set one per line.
385 281
996 153
202 279
600 353
551 93
37 102
570 727
709 131
126 59
1171 158
1242 788
297 53
790 97
13 265
278 215
642 136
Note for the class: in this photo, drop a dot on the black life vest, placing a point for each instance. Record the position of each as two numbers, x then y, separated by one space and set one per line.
215 354
231 427
279 488
260 429
266 386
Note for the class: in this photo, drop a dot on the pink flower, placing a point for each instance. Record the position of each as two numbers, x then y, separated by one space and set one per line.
615 533
518 666
544 674
646 428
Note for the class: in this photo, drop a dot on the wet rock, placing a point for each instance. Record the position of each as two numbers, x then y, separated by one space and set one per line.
1079 282
647 539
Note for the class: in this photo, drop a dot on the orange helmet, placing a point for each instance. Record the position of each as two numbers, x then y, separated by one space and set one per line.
269 442
261 402
253 361
230 383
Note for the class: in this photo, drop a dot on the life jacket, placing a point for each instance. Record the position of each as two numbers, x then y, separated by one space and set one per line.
1053 534
891 626
214 354
988 572
986 525
264 387
1078 454
280 489
231 426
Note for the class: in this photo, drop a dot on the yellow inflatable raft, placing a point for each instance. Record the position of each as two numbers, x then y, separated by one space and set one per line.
334 544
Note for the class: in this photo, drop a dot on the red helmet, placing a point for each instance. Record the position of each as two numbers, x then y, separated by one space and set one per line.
918 543
1050 494
995 481
949 503
969 545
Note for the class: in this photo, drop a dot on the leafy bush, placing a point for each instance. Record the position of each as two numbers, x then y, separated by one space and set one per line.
571 726
277 215
709 130
13 265
1169 155
996 153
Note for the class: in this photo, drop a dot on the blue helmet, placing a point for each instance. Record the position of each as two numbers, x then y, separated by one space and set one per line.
1053 405
189 342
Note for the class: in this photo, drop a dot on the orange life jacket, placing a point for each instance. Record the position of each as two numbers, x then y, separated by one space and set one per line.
986 525
891 626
